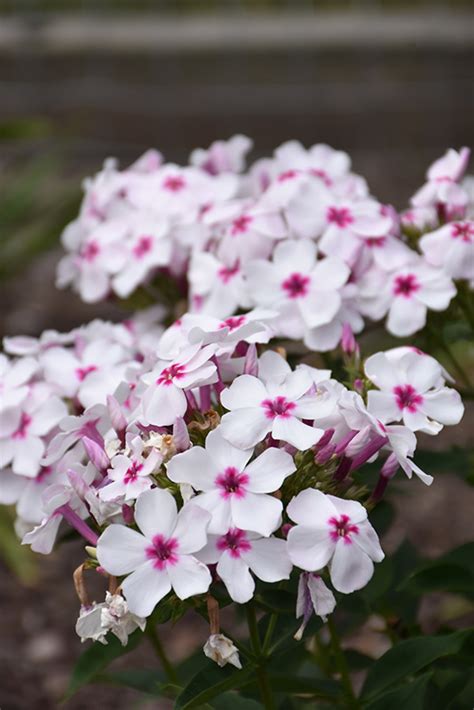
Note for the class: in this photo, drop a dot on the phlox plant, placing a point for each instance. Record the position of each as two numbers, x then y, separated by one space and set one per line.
230 443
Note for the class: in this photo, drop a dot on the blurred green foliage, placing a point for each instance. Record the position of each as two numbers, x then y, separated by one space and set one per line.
36 199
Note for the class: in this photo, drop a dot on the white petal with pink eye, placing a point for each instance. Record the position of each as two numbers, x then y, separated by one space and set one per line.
156 513
219 508
202 375
330 273
416 420
195 467
310 548
352 508
444 405
245 391
268 559
223 454
406 316
10 419
121 550
383 406
163 403
191 528
319 307
7 452
367 539
268 471
294 386
256 512
11 487
144 588
293 431
422 372
311 507
245 427
189 577
351 568
296 256
234 572
272 366
48 416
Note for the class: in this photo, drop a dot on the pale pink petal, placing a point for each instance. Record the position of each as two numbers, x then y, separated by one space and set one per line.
352 508
368 540
382 372
163 403
383 405
351 568
406 316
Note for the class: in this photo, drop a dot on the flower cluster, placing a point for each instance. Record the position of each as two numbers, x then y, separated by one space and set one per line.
298 233
192 455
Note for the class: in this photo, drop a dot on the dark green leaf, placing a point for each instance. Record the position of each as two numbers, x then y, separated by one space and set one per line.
144 680
97 657
453 572
382 516
212 681
408 657
232 701
316 687
409 696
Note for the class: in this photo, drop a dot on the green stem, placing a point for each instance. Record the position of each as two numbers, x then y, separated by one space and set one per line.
161 653
269 633
262 677
342 666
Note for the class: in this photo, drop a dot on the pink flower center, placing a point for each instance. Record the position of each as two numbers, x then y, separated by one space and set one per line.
233 322
340 216
22 430
170 373
288 175
407 397
132 472
143 246
82 372
406 285
321 174
463 230
278 407
232 482
44 473
342 527
226 273
241 224
235 541
375 242
89 251
174 183
296 285
163 551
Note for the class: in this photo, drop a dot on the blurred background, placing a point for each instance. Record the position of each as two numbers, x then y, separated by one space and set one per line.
390 82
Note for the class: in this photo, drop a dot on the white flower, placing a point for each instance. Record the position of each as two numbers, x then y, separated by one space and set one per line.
409 389
313 596
164 400
238 553
257 409
223 156
234 491
442 178
333 531
451 248
130 475
303 290
160 557
406 294
222 651
97 620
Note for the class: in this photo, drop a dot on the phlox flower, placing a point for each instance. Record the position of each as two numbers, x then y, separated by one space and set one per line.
164 399
441 187
130 473
409 390
96 620
406 294
257 409
303 290
234 491
223 156
336 532
159 557
451 248
238 553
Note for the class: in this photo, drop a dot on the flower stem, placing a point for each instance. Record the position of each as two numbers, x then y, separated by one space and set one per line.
342 666
262 677
161 653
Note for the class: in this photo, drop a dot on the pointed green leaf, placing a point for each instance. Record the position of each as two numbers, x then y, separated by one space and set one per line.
410 696
210 682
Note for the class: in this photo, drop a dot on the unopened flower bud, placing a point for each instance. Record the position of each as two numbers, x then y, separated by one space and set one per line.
222 651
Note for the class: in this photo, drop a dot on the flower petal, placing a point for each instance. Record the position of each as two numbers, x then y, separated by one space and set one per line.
310 548
311 507
293 431
144 588
189 577
156 513
194 466
351 568
121 550
268 559
235 573
269 470
191 528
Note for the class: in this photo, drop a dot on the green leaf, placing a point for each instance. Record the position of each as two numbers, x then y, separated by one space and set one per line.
408 657
382 516
232 701
453 572
96 658
144 680
316 687
212 681
409 696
